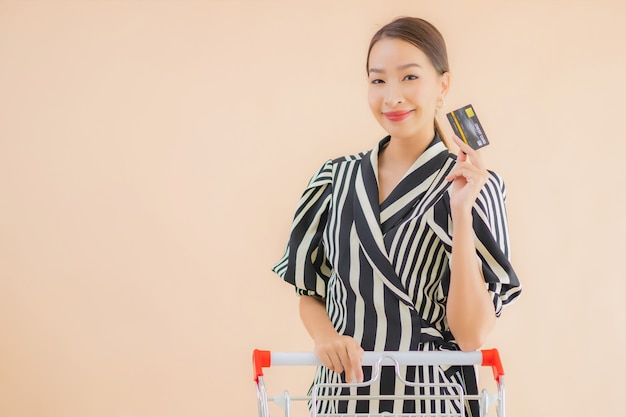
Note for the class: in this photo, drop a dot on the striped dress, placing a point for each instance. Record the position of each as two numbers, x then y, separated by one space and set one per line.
383 269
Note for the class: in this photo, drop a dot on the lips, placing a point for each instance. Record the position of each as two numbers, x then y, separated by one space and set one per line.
397 116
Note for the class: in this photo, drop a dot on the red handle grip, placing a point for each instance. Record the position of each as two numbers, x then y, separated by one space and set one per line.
260 359
491 357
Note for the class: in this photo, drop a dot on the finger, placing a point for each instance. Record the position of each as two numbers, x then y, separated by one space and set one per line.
457 177
348 368
325 359
469 173
336 361
462 156
460 170
461 144
467 152
330 359
356 358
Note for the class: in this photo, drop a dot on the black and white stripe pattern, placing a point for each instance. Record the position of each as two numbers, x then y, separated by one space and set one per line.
383 269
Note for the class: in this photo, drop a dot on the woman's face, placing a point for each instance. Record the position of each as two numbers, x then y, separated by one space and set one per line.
404 88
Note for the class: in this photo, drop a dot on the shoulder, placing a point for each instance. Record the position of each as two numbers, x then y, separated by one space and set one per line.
494 184
325 173
323 176
492 197
350 158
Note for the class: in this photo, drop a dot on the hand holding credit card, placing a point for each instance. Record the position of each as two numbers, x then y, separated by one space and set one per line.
467 127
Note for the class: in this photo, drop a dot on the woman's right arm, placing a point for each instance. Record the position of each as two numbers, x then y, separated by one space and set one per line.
338 353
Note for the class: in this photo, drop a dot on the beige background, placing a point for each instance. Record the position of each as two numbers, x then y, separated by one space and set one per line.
152 154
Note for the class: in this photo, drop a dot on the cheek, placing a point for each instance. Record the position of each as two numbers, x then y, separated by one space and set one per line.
431 95
374 100
417 93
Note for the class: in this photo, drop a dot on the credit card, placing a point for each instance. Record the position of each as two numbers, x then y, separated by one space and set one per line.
466 126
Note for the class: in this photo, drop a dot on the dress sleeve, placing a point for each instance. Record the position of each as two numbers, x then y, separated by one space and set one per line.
492 243
304 263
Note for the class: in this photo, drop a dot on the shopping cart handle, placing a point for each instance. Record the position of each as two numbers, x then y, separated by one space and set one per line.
491 357
265 358
260 359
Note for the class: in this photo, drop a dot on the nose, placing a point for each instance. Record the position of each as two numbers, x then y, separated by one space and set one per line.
393 95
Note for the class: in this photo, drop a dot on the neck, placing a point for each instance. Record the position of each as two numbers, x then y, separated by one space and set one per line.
407 150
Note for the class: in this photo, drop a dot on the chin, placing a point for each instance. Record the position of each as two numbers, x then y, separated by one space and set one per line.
402 134
412 131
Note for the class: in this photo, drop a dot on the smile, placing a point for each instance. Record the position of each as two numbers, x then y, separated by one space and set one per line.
397 116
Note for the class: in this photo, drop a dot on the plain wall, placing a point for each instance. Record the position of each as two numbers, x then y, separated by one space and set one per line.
152 154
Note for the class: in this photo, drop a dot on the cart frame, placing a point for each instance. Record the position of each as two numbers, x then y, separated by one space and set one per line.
490 357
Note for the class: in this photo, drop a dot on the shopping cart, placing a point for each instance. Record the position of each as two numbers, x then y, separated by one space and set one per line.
447 393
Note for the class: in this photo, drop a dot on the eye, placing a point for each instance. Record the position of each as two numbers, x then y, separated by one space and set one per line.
377 81
411 77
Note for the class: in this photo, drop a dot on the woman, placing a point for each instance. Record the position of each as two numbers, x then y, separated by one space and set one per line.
404 247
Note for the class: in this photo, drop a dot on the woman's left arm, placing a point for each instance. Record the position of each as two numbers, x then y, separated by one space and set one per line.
470 310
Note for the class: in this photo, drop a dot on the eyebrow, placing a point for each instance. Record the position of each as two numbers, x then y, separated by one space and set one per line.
401 67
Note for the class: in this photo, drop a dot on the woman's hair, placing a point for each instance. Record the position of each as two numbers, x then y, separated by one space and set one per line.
422 35
419 33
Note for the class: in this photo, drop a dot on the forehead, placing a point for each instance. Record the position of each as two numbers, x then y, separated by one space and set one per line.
392 52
